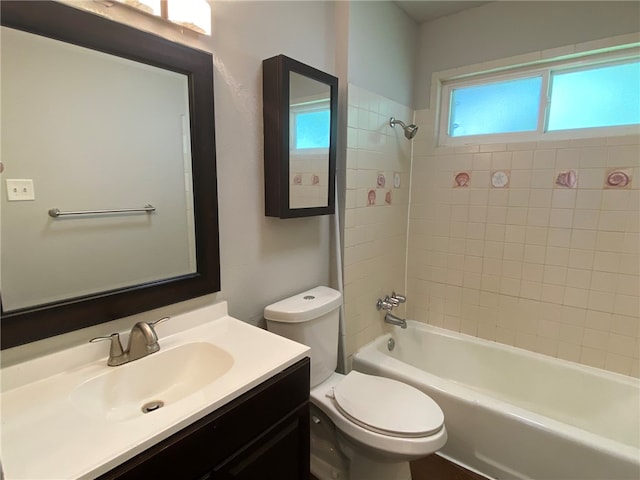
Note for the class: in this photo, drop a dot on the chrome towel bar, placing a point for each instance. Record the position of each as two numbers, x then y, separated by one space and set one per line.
55 212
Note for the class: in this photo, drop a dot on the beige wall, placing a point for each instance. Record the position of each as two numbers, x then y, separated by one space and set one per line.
263 259
375 232
547 269
383 42
381 48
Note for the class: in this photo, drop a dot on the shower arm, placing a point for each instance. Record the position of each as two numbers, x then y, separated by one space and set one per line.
409 130
393 122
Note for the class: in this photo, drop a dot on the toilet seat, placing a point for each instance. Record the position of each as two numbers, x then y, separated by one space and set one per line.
386 406
384 444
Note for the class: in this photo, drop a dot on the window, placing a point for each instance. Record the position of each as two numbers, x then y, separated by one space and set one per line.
508 106
192 14
595 97
310 124
539 103
312 129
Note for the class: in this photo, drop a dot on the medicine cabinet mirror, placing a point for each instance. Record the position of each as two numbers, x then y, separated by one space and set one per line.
300 127
114 127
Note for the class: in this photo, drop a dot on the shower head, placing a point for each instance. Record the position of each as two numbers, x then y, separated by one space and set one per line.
409 130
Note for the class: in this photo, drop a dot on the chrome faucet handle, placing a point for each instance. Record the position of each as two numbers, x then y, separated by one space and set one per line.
116 346
383 305
392 300
398 297
387 306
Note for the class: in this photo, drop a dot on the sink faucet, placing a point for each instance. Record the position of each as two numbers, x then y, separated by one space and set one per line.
393 320
143 341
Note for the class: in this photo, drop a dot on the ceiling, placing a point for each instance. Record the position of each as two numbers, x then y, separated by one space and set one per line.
425 11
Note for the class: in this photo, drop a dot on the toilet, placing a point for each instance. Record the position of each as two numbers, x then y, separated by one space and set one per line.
363 427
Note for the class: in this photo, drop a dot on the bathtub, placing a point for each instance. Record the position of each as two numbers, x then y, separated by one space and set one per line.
511 413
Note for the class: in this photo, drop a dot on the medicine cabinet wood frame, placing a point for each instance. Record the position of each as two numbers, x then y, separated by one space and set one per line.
276 112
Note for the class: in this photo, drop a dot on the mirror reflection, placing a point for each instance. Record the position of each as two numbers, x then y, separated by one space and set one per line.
309 141
122 129
92 131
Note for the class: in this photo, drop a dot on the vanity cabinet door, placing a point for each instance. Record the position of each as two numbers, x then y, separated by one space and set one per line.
262 435
280 454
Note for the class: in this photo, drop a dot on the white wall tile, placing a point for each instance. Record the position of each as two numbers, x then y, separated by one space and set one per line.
551 269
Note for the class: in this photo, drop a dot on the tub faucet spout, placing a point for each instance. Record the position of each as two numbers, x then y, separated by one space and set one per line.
393 320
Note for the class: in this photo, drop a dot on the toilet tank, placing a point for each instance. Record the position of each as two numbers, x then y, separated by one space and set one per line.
310 318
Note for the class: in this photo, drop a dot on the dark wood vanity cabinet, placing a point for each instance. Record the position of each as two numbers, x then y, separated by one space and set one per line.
262 435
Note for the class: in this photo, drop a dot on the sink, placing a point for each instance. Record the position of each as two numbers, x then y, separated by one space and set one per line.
160 379
58 404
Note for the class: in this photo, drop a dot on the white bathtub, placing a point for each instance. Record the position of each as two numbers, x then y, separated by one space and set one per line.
511 413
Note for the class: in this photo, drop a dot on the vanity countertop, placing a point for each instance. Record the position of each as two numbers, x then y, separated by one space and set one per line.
52 427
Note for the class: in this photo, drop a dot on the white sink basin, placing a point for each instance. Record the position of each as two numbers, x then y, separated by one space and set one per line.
166 376
69 415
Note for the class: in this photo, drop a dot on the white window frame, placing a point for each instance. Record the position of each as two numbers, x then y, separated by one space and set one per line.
532 70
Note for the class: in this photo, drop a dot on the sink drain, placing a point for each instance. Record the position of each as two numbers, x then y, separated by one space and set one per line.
152 406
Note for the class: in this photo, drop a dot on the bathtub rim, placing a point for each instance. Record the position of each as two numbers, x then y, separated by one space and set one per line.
600 372
376 360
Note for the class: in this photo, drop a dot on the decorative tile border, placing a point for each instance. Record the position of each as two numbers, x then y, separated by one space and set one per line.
614 178
461 179
396 180
618 178
500 178
371 198
305 179
566 179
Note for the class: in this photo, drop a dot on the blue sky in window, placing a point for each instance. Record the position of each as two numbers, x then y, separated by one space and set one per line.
312 129
598 97
500 107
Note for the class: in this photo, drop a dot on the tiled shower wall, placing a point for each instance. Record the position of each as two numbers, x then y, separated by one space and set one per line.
377 197
546 267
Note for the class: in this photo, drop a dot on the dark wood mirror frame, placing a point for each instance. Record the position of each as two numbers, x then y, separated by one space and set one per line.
275 95
68 24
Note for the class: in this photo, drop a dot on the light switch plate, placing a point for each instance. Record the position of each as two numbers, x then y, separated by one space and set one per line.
19 190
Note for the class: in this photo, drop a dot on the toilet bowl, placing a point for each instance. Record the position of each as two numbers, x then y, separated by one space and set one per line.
377 435
363 427
390 418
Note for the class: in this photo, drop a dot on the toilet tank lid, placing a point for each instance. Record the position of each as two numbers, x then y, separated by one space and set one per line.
304 306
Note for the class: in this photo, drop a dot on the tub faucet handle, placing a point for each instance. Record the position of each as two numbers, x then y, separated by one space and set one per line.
393 301
398 297
384 305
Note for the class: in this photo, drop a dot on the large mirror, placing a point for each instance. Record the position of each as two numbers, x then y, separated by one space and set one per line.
300 125
109 157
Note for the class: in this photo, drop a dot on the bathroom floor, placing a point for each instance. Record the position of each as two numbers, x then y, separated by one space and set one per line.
435 467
